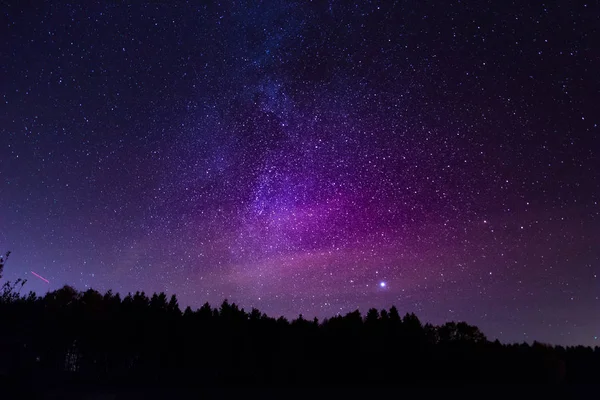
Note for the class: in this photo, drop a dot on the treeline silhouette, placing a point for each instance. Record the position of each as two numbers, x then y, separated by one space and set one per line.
103 339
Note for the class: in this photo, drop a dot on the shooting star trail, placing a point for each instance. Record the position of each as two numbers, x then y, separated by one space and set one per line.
41 277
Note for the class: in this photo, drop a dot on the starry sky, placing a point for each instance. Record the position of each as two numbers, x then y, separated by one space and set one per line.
310 157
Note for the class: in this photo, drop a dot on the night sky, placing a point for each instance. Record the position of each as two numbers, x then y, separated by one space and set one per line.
311 157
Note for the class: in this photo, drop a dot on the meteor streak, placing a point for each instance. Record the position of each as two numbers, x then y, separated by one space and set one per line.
41 277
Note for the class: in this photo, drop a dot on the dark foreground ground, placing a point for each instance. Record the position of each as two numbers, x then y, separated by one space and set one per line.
448 391
88 345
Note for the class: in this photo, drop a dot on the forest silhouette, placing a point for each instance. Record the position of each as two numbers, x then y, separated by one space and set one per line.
104 339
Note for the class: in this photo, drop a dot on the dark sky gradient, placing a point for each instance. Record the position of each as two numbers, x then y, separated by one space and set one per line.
294 155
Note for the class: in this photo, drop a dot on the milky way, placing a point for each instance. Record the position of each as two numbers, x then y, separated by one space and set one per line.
311 157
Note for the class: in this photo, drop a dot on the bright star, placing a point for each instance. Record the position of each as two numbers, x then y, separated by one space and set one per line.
382 284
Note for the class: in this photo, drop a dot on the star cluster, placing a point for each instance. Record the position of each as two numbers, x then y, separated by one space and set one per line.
311 157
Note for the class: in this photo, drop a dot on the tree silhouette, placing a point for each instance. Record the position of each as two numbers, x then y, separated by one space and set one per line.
372 317
2 262
103 339
460 332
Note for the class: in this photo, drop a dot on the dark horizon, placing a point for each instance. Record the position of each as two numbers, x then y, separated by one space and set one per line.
20 290
97 343
310 158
